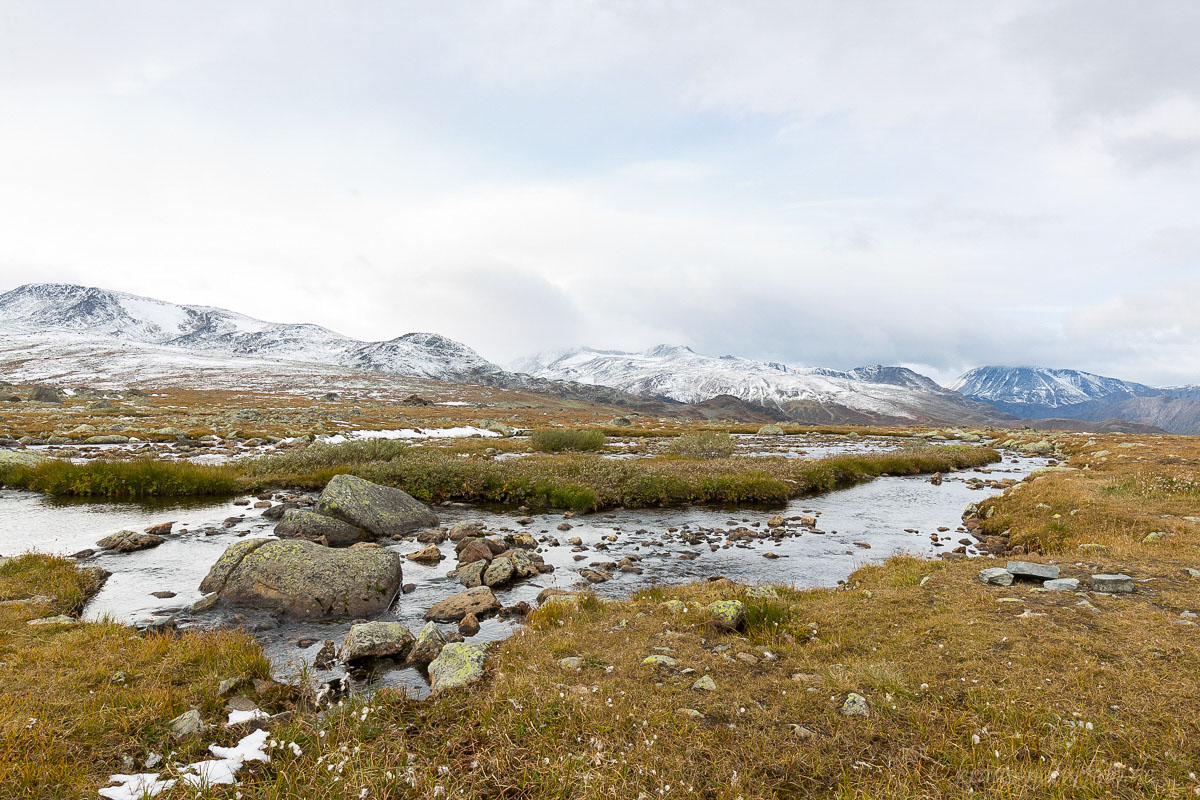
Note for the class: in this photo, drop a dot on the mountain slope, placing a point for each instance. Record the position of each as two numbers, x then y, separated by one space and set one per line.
810 394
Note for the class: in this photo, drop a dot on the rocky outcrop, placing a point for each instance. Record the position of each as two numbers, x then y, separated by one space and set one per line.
379 510
306 580
300 524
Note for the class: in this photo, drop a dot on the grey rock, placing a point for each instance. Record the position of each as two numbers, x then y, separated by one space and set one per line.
380 510
189 723
300 524
1112 584
1032 569
1062 584
499 572
996 576
60 619
472 574
428 645
306 580
376 640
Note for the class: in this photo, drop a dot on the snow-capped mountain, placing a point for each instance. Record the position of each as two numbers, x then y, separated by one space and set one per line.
1020 389
865 394
66 309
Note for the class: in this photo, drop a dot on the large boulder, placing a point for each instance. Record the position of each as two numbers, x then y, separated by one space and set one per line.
457 665
300 524
306 580
478 601
376 640
380 510
472 574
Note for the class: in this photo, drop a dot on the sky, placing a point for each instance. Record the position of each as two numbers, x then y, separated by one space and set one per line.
935 184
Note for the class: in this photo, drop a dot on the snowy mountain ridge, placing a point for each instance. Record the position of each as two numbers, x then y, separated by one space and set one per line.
1010 387
679 373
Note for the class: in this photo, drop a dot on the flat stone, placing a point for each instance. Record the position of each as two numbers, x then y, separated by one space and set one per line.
1112 584
129 541
996 576
1062 585
1032 569
60 619
659 661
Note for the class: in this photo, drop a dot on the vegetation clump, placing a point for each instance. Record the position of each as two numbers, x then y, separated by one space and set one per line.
703 444
556 440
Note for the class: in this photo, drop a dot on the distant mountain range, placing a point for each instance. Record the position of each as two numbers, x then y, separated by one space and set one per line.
807 394
1040 393
79 332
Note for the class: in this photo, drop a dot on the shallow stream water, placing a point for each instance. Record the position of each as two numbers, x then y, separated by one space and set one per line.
877 513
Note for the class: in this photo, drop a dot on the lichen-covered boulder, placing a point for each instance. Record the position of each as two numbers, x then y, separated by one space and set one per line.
478 601
771 430
428 645
457 665
499 572
379 510
306 580
376 640
727 613
300 524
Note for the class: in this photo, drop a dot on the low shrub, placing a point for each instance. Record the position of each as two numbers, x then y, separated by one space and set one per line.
555 440
703 444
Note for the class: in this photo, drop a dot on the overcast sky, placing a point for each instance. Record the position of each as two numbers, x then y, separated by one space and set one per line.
938 184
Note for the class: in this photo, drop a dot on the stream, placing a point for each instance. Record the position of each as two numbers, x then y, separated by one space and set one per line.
878 513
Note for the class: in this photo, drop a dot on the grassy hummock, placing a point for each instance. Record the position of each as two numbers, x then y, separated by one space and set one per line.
577 481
